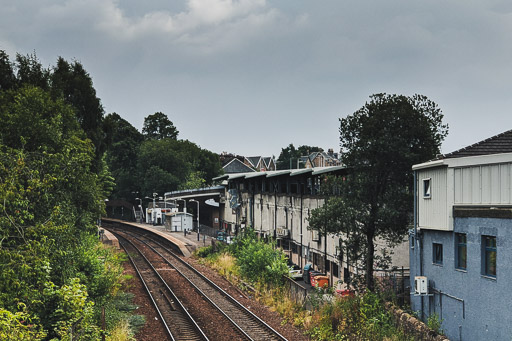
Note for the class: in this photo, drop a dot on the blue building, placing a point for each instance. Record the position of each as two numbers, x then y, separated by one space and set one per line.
461 244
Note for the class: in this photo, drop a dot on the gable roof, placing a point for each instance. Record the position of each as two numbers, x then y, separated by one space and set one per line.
254 160
267 161
498 144
236 166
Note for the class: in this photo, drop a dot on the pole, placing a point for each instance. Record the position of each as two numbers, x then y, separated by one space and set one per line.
153 212
103 324
196 201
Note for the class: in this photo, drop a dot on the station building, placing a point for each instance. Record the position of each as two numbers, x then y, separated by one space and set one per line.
278 204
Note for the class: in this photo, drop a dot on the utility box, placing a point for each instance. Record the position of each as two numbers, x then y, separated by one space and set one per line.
178 221
420 285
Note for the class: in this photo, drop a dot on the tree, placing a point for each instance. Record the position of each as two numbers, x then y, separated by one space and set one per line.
124 142
74 84
289 155
31 72
158 126
167 165
380 143
7 77
32 121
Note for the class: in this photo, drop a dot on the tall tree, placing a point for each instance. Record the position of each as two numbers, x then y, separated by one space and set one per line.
167 165
30 71
7 76
158 126
380 143
74 84
289 155
124 142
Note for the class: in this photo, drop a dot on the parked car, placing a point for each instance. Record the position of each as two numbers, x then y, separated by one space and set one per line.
294 272
221 236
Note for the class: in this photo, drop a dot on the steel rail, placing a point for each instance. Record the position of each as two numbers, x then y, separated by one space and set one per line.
185 318
147 291
233 301
201 292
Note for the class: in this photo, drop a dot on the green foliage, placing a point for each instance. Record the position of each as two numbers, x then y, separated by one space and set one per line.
194 180
167 163
73 84
54 273
380 143
204 252
354 318
19 326
435 323
259 261
158 127
122 154
289 155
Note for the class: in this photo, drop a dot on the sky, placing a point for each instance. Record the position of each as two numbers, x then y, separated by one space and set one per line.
252 76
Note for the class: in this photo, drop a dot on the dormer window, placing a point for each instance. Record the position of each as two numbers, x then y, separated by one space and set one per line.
427 192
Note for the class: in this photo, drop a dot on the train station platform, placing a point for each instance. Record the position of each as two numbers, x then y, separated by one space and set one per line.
186 243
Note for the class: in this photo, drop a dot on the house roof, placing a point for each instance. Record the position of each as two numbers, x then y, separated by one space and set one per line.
289 172
254 160
267 161
501 143
236 166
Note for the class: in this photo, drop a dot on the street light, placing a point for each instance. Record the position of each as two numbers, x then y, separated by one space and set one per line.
184 210
197 217
153 212
141 212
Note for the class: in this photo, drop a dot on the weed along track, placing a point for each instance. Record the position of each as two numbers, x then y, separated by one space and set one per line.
228 315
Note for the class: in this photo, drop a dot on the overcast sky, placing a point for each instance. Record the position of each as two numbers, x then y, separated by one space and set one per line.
252 76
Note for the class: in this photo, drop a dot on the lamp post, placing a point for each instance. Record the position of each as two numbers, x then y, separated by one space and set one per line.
141 213
153 215
184 210
197 217
153 212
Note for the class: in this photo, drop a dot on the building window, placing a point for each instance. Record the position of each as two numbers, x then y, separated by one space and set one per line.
461 247
335 270
489 255
437 253
427 193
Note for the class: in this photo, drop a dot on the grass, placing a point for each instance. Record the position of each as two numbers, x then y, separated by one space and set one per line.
362 317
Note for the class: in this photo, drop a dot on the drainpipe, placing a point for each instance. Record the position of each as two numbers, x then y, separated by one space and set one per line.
301 208
418 240
275 212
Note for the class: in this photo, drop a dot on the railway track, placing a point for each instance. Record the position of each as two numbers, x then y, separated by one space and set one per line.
250 325
177 321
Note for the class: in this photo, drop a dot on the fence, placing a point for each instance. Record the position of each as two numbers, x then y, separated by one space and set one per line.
395 284
209 231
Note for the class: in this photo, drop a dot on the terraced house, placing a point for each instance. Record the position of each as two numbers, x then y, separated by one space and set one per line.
461 246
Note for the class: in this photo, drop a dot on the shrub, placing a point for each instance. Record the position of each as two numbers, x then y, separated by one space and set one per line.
19 326
434 323
259 261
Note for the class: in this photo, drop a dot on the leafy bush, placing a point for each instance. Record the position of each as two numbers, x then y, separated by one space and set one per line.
19 326
434 323
204 252
259 261
361 317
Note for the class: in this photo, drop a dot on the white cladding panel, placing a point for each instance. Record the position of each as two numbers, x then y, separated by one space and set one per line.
483 184
433 211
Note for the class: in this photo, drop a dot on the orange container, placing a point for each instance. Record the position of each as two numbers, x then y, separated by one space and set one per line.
320 281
